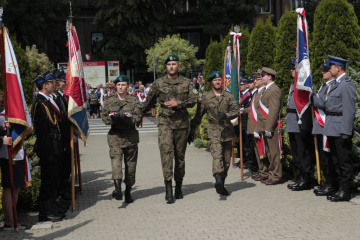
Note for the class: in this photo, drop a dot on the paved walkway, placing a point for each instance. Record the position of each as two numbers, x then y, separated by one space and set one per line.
253 211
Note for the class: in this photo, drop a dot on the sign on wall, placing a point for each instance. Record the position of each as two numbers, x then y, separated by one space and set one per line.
113 70
94 73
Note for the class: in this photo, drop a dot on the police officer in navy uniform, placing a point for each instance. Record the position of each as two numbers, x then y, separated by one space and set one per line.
48 145
64 124
339 129
300 139
319 103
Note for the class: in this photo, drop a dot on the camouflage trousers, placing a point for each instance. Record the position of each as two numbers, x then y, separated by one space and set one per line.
172 143
221 153
130 155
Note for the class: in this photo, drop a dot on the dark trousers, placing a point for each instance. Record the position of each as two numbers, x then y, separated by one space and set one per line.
326 163
300 144
93 109
341 160
50 166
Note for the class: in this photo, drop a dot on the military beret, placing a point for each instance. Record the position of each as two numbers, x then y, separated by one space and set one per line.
269 71
337 60
243 81
216 74
171 57
293 62
44 77
121 78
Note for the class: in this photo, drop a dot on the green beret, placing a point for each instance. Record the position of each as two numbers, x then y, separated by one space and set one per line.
122 78
215 74
171 57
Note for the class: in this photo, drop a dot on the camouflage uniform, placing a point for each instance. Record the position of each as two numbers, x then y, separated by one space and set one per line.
173 122
123 136
220 133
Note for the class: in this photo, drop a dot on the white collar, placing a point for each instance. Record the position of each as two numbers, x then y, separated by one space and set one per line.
338 79
259 90
46 96
61 93
253 91
245 91
268 85
330 81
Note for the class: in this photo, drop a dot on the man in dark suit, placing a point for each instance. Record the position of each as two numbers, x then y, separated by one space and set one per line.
300 139
339 129
268 126
48 145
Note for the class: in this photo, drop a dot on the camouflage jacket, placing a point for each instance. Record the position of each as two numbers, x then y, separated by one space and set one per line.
222 130
125 129
181 91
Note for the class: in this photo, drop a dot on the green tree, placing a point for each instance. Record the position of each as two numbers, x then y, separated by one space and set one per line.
261 46
285 48
34 20
214 61
172 45
39 62
132 26
218 15
336 32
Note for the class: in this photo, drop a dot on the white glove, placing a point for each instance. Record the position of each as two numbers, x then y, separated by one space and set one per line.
268 134
256 135
241 110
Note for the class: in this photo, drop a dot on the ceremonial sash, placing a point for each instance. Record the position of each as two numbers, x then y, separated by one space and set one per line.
261 146
253 111
265 111
53 103
320 117
245 97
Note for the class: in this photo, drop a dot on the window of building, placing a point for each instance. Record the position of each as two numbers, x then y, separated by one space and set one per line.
190 5
266 8
294 5
192 37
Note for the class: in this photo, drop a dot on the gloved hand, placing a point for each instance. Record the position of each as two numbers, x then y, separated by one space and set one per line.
345 139
221 116
241 111
191 138
268 134
256 135
118 116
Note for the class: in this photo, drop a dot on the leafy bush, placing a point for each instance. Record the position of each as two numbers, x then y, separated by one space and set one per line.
198 143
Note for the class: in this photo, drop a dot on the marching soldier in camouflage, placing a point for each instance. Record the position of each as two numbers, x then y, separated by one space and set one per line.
122 111
175 94
220 107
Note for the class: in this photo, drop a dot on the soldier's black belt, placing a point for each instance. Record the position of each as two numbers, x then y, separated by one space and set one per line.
55 136
333 113
290 110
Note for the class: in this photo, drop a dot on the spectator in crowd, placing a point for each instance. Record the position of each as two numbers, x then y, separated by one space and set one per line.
142 95
147 88
202 84
194 81
94 106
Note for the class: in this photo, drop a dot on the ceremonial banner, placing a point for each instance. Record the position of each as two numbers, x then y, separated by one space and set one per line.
303 84
227 69
235 66
17 110
76 88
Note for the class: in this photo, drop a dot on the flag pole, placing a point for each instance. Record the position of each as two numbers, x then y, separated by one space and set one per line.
316 150
71 130
11 162
78 165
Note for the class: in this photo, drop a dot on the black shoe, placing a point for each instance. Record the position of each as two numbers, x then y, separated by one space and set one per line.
169 192
219 184
224 191
178 192
46 215
340 196
128 197
325 190
303 184
290 186
117 194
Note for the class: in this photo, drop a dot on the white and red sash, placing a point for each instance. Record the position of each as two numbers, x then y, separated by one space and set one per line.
253 111
265 111
320 117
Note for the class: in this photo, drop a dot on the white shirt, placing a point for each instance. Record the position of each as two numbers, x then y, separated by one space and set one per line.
268 85
338 79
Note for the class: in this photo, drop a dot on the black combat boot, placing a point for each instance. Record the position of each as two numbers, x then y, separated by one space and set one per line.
117 194
169 192
178 192
128 197
326 190
303 184
46 215
219 184
224 191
